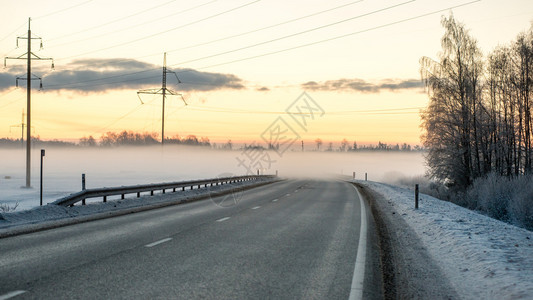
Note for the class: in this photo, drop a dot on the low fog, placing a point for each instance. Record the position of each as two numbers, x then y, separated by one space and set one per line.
106 167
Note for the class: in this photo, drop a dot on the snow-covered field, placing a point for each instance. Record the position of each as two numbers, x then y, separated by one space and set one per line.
483 258
109 167
50 216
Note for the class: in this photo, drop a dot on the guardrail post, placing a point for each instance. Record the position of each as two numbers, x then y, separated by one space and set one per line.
138 194
83 182
416 196
366 176
151 192
163 191
105 199
183 188
122 196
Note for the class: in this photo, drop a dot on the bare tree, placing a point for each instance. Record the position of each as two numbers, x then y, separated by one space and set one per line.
454 88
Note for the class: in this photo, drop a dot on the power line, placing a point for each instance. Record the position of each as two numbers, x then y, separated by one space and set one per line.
267 27
297 33
336 37
62 10
130 27
165 31
14 31
8 92
402 110
225 38
113 21
249 46
11 102
271 52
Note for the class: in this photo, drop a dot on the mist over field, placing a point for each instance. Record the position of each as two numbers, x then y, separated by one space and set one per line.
106 167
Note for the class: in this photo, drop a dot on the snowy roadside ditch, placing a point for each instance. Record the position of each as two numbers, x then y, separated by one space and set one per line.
483 258
52 216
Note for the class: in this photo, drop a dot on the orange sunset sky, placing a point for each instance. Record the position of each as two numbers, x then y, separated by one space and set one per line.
241 63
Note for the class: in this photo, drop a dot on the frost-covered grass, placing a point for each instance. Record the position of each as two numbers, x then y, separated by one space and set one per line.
5 207
483 258
503 198
506 199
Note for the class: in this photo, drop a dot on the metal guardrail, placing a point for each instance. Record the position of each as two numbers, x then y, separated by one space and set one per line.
72 199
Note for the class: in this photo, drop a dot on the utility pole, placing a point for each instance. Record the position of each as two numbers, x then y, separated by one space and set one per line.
22 125
29 56
162 91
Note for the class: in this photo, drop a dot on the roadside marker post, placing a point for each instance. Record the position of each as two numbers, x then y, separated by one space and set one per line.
41 193
416 196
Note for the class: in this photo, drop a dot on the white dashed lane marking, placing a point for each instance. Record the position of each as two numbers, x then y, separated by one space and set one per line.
158 242
11 294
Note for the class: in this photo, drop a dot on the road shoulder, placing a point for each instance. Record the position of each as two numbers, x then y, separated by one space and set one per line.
409 272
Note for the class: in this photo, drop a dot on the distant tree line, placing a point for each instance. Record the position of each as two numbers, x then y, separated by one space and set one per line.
345 146
478 124
36 142
129 138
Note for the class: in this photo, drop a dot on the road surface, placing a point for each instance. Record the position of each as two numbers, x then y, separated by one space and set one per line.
295 239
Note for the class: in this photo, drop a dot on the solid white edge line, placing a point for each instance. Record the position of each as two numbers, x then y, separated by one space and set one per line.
223 219
356 291
158 242
256 207
11 294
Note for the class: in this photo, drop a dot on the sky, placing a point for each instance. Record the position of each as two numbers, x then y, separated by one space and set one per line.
246 67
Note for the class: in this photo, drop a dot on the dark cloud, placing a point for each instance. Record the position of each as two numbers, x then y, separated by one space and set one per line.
263 89
101 75
360 85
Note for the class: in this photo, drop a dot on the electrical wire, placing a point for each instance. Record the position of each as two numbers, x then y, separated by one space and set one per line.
295 34
14 31
277 51
8 92
118 119
163 32
225 38
264 28
337 37
11 102
62 10
403 110
112 21
129 27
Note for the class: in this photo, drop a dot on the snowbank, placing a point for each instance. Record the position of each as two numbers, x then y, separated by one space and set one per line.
483 258
51 216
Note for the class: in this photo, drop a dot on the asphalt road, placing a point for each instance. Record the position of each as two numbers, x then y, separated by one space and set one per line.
295 239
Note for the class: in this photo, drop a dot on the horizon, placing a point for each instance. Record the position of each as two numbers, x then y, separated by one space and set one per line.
360 71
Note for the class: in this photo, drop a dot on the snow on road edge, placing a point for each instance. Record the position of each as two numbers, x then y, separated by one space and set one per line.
50 215
483 258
